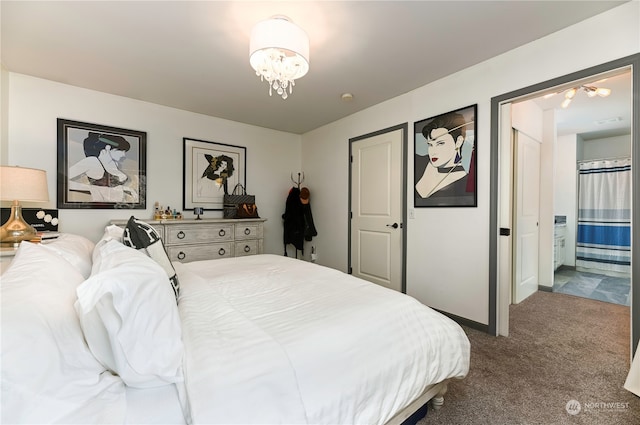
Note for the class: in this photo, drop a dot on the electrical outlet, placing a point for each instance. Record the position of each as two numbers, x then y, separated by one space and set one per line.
412 213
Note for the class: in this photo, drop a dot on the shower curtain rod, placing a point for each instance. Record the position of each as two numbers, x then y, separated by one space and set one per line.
620 158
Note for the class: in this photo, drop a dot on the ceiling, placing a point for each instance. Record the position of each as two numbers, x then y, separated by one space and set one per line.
593 117
193 55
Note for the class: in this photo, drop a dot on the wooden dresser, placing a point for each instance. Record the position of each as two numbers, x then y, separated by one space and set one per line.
206 239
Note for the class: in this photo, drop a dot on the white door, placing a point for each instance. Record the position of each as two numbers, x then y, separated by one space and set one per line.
527 202
376 209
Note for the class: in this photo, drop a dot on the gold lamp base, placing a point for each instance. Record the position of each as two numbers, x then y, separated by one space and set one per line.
16 230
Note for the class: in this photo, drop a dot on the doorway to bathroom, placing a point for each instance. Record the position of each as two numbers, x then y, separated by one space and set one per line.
501 272
582 210
592 188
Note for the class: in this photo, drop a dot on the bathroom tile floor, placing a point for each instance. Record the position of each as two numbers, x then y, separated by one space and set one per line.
590 285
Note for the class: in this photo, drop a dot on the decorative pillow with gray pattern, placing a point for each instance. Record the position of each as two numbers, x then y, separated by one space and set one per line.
141 236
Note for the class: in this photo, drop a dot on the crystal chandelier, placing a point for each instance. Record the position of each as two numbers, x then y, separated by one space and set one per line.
279 53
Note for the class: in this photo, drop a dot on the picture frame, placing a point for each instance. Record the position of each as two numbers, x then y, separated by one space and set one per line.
445 151
100 167
211 169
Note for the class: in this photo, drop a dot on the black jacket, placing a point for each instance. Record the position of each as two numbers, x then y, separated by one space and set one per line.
298 221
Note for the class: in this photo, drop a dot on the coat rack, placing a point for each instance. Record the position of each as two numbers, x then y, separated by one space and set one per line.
299 181
293 213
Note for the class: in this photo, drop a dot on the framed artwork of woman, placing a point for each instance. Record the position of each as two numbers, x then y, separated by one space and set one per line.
445 160
100 167
211 170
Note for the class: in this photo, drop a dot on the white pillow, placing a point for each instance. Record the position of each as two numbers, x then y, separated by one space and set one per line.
130 318
76 249
48 373
113 232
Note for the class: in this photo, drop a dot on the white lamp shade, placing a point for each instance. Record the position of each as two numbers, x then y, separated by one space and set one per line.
23 184
282 34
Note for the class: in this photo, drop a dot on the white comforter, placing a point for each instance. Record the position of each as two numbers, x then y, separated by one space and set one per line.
272 339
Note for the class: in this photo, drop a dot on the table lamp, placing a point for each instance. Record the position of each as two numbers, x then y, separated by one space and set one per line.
20 184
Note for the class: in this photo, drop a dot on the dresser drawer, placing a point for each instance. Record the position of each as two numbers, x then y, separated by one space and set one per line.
191 234
187 253
248 247
248 231
208 239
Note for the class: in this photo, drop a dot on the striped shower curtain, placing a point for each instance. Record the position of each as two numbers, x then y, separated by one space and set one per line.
604 215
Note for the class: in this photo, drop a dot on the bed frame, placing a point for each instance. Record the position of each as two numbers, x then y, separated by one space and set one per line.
434 393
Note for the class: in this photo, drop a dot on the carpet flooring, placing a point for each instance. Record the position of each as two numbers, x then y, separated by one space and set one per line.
565 362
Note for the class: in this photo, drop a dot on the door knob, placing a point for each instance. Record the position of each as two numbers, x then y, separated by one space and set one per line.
394 225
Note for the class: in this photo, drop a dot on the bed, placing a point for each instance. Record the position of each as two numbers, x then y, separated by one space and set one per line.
98 334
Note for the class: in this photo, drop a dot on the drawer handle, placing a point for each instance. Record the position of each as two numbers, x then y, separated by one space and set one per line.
221 251
182 255
222 232
247 248
247 231
181 235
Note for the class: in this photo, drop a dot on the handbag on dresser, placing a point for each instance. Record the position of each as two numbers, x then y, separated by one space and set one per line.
247 210
232 202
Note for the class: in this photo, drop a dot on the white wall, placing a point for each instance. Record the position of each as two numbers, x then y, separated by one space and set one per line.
448 258
4 115
606 148
547 199
565 201
35 104
526 117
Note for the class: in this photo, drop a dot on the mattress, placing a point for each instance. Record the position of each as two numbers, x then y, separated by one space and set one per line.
271 339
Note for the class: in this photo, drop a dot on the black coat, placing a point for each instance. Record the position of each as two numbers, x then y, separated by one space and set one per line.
298 221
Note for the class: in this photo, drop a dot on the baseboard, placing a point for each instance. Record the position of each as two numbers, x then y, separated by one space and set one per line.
545 288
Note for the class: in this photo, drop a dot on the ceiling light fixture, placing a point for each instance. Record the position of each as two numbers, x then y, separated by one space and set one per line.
591 91
279 53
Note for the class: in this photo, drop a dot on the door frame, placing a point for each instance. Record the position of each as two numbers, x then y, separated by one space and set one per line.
405 128
633 63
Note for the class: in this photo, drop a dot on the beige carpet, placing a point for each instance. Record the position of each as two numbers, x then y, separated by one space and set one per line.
562 350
